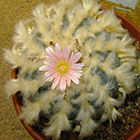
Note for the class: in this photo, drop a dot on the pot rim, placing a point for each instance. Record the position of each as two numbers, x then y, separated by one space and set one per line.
135 31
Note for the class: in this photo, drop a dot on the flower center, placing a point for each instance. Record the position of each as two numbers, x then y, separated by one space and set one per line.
62 67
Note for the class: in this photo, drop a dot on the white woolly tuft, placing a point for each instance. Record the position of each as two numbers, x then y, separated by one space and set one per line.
47 98
90 6
102 94
70 94
77 128
96 61
109 64
125 77
87 50
100 43
112 43
25 86
78 89
11 87
86 111
29 87
80 14
109 111
21 32
82 34
40 17
96 83
104 117
86 76
123 92
108 18
87 128
31 112
124 44
17 61
64 106
114 115
82 97
111 101
41 21
59 122
129 55
95 30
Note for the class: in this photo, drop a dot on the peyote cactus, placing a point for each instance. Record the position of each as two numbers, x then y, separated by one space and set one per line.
79 88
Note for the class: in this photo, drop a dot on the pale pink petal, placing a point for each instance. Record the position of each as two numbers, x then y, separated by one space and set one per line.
68 79
42 68
65 53
75 57
79 71
48 79
49 73
74 73
77 66
58 51
74 79
63 83
45 62
56 81
46 68
50 64
71 56
51 52
54 75
51 77
51 57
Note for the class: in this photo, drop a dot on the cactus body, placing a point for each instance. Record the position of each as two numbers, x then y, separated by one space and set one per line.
108 76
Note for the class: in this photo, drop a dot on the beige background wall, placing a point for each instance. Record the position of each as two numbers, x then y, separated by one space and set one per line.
11 11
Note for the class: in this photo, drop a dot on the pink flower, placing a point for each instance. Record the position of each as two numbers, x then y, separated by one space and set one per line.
62 67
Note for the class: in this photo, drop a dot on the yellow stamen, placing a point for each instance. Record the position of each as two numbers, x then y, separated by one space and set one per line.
62 67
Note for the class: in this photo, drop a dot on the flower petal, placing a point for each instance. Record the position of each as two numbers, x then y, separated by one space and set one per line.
49 73
58 51
77 66
65 53
75 57
63 83
51 54
42 68
51 77
48 79
50 50
51 65
56 81
74 79
68 79
51 57
75 73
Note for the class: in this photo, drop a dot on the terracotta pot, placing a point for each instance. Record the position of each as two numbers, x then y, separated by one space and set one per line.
135 31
